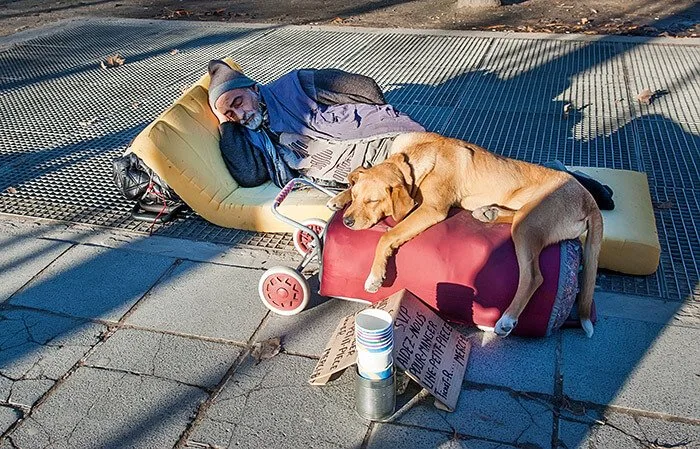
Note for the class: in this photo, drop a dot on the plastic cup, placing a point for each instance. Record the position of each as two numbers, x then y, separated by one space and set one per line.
361 347
375 361
373 322
375 375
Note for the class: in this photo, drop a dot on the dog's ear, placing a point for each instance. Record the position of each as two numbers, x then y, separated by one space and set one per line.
401 202
400 160
352 177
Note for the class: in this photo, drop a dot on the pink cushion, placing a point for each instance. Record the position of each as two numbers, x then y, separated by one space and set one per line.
464 269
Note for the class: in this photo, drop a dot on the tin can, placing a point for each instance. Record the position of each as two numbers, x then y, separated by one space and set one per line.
375 399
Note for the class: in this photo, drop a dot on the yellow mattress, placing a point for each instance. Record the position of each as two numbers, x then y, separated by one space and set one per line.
182 146
630 240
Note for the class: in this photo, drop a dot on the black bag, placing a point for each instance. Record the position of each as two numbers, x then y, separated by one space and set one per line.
156 202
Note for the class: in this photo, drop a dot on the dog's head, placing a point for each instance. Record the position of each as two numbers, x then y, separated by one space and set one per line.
378 192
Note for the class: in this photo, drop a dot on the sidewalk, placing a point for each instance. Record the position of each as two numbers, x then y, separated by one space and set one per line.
116 340
111 338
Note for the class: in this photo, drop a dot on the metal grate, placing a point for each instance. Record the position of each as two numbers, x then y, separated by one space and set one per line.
506 94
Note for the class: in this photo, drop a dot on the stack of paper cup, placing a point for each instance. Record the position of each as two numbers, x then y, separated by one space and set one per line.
374 340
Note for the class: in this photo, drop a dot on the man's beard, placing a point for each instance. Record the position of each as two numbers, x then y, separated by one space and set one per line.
253 120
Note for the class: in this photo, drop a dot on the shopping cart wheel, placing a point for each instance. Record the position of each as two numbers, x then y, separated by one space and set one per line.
284 290
302 240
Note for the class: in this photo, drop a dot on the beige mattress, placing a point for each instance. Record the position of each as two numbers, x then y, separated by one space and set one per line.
182 146
630 240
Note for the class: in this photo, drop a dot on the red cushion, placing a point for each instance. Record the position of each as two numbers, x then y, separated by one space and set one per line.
464 269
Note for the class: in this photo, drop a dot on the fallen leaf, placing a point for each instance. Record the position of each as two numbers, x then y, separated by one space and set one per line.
594 11
664 205
174 51
89 122
114 60
402 381
11 190
337 20
584 21
266 349
567 110
645 96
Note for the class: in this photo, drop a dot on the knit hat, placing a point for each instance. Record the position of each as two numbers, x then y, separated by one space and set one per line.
223 79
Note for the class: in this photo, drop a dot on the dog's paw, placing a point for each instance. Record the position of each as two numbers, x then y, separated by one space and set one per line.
505 326
587 326
373 283
332 204
486 214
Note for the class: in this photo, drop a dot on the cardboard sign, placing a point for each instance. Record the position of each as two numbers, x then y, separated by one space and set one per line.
431 351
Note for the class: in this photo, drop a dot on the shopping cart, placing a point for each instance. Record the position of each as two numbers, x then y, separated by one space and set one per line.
282 289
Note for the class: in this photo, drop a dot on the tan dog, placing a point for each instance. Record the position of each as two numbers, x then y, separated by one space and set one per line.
436 173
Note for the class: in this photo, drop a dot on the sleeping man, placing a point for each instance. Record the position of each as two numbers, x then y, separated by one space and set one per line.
321 124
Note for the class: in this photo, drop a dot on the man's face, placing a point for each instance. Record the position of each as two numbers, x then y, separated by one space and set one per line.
241 106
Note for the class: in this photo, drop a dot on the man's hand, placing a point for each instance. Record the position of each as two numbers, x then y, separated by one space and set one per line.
221 117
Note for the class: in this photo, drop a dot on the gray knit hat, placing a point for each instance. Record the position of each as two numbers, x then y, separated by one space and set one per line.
223 79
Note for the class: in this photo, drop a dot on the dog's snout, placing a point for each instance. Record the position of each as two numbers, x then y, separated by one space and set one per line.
348 221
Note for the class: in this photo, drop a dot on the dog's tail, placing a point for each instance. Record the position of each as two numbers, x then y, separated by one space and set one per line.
591 251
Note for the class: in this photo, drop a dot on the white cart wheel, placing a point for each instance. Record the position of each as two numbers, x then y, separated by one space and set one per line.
303 241
283 290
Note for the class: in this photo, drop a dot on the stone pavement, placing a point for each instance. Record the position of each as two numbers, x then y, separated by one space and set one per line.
112 339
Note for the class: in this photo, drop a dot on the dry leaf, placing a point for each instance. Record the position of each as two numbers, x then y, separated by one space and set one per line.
114 60
11 190
567 110
584 21
645 96
87 123
664 205
174 51
266 349
402 381
337 20
594 11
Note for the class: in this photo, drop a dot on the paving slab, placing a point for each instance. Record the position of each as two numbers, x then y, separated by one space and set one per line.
186 360
635 364
522 364
648 309
8 416
390 436
308 332
205 300
493 414
36 349
627 432
271 404
22 257
102 408
93 282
